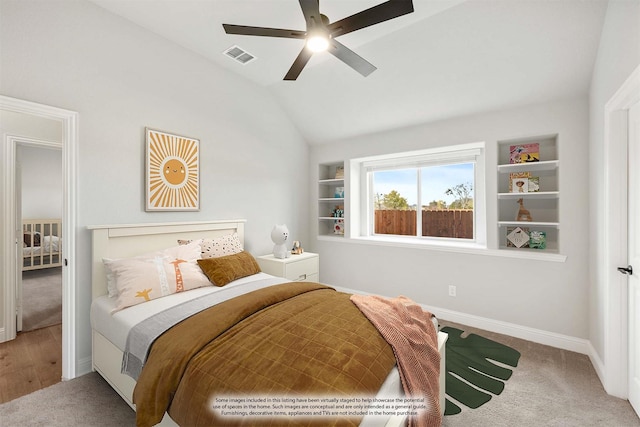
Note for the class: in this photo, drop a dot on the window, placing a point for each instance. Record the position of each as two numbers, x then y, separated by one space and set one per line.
430 196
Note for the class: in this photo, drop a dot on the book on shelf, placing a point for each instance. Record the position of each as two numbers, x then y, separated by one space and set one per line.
524 153
523 182
538 240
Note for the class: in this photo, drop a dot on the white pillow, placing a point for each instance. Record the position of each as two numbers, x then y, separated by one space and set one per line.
112 290
145 277
219 246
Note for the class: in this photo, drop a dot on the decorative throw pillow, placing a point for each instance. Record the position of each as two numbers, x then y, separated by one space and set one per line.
220 246
146 277
188 252
226 269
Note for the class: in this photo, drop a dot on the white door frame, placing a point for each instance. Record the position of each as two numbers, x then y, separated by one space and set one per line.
615 236
69 120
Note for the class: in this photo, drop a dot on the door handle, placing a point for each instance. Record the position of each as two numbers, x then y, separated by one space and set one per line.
626 270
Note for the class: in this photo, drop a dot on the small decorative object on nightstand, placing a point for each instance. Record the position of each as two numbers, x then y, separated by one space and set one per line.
297 249
279 235
302 268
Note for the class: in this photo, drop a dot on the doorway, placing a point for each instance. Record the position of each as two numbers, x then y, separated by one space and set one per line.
9 223
633 256
621 349
39 196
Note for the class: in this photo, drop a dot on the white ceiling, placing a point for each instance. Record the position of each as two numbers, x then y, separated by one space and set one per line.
448 58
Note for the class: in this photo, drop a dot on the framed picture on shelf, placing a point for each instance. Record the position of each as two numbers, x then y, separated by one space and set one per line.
524 153
538 240
339 172
533 184
519 185
523 182
517 237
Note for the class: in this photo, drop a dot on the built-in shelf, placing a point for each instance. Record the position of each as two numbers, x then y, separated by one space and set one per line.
331 181
536 195
539 191
547 165
528 224
330 187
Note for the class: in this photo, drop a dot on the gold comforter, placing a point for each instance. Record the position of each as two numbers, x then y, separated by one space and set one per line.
295 339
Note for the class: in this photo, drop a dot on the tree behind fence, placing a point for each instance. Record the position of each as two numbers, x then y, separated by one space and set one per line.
456 223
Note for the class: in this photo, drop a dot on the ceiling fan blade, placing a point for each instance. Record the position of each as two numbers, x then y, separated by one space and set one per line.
351 58
298 64
262 31
374 15
311 12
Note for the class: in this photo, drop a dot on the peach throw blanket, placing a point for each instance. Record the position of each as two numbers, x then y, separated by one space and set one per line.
414 339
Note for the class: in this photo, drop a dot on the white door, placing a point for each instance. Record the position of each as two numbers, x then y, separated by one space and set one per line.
634 256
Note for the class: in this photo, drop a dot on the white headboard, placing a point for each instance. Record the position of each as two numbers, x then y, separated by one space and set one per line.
122 241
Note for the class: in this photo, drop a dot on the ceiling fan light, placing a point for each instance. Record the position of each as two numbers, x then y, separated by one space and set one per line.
317 43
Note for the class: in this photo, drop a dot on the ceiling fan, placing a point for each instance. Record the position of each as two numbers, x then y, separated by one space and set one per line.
321 34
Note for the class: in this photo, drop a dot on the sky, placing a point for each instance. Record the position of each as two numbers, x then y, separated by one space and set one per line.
435 181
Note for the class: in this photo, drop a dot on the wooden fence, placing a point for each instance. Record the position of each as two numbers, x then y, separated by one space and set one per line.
457 223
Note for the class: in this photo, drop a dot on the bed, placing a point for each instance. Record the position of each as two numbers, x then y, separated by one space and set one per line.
110 332
41 243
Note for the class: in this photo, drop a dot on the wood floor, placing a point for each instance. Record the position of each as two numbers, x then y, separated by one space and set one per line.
30 362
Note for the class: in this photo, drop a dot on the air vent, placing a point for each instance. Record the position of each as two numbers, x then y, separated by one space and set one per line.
239 54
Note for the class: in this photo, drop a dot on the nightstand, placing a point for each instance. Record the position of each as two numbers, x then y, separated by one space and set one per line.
301 268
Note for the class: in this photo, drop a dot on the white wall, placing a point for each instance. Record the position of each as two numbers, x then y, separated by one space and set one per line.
618 57
544 295
41 182
121 78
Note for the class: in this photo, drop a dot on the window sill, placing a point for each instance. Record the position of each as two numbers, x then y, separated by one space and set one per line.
449 246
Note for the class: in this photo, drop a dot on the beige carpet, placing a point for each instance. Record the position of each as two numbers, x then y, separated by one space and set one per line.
41 298
86 401
550 387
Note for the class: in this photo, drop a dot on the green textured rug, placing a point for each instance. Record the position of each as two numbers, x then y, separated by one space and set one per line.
470 358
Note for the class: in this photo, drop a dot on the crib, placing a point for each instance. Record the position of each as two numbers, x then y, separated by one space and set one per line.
41 243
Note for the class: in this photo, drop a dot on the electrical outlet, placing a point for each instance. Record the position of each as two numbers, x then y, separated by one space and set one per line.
452 290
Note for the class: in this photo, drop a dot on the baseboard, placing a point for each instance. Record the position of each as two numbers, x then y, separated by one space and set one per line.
83 366
596 361
539 336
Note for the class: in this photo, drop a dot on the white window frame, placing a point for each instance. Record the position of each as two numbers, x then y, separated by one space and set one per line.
362 192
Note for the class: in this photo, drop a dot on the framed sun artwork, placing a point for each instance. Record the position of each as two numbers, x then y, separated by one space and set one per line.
173 172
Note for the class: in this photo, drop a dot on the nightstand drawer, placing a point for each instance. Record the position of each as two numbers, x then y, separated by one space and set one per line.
300 270
303 267
311 278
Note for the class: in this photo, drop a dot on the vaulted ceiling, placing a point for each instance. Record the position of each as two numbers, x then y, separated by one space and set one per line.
448 58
